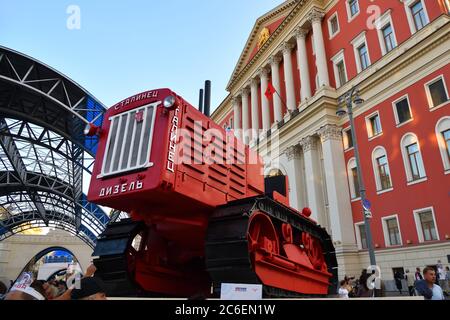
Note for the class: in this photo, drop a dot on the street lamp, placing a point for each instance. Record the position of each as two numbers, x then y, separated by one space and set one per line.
347 100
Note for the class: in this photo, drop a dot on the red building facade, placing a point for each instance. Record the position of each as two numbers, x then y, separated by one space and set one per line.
397 54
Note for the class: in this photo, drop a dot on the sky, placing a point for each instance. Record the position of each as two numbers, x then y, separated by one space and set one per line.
116 49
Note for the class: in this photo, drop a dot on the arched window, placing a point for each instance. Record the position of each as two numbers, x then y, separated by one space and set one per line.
275 173
381 169
273 170
412 158
353 182
443 138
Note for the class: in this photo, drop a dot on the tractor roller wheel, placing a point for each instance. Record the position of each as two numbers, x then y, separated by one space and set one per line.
117 250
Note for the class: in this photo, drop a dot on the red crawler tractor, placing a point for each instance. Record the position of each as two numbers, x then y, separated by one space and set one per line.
201 211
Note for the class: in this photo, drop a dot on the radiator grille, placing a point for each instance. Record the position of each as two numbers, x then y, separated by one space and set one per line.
129 140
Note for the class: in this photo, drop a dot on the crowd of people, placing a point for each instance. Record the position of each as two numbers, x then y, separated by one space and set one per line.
351 287
88 287
432 284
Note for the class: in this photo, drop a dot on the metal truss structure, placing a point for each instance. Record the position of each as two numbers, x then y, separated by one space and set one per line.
44 154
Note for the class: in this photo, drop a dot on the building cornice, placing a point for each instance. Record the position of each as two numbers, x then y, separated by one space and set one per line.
284 33
243 66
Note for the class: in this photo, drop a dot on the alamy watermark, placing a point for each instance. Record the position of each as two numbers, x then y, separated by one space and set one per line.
73 21
74 281
374 279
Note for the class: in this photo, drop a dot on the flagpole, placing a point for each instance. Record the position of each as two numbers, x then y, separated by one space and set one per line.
272 87
282 101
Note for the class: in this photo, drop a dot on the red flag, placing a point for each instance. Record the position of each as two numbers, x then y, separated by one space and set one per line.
270 91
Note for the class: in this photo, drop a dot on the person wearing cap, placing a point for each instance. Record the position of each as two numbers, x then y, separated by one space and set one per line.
23 291
91 288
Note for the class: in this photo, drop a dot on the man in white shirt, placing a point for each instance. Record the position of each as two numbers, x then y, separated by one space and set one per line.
343 292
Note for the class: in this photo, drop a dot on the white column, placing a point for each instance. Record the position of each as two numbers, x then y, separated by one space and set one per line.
255 108
294 172
289 77
275 71
315 17
340 210
236 117
313 178
263 73
245 117
305 85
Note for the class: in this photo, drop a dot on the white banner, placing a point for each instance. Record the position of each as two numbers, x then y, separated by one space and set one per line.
236 291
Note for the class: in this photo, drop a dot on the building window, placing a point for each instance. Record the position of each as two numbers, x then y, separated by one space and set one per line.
352 174
361 51
392 231
333 25
412 157
231 123
352 8
361 235
362 232
381 169
415 161
340 72
437 92
419 17
363 57
416 13
402 110
386 32
446 137
373 125
356 182
275 172
443 138
426 224
347 138
388 36
383 172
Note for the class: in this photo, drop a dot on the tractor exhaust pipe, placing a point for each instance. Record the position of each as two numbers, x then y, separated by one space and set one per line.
200 101
207 98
